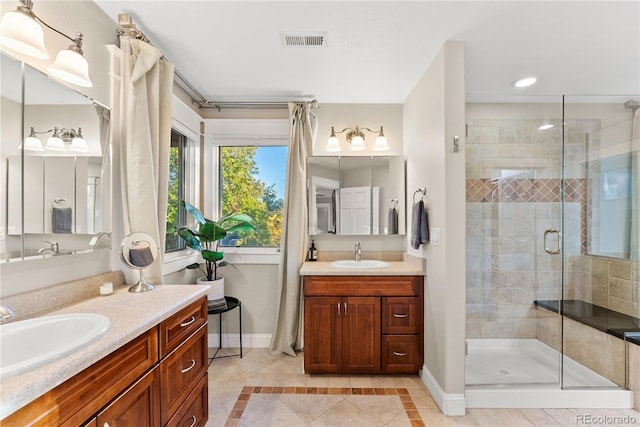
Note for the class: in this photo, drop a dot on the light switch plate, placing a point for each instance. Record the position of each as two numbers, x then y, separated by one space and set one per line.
435 236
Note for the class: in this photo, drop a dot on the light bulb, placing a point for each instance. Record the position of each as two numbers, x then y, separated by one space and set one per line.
70 66
381 144
357 143
333 145
19 31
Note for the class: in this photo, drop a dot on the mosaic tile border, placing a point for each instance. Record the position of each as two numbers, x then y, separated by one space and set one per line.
402 393
550 190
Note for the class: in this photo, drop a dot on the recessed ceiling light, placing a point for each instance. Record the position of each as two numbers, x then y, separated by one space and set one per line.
527 81
545 127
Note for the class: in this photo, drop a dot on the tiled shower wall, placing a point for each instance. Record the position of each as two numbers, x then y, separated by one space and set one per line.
513 195
610 283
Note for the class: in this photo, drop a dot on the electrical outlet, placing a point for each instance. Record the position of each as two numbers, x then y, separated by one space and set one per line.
435 236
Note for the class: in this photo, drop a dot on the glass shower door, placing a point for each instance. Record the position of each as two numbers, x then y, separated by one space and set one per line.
600 288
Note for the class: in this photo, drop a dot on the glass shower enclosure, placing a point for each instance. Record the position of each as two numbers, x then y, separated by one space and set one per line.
550 230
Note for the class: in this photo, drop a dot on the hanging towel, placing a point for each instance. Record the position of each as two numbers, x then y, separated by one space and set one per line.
61 220
141 257
393 221
419 225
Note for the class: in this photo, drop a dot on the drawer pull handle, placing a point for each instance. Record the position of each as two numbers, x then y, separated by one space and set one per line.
400 316
192 364
194 420
338 309
396 353
188 322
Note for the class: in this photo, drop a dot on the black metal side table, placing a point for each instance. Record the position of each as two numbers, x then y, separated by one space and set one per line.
232 303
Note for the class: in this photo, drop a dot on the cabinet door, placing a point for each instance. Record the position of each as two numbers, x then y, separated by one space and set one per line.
361 334
138 406
323 334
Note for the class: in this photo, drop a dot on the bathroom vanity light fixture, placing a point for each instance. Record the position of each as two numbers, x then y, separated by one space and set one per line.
58 141
355 137
21 32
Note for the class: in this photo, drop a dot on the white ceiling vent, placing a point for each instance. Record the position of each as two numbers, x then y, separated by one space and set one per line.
304 39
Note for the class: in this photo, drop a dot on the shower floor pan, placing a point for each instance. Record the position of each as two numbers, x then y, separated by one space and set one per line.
525 373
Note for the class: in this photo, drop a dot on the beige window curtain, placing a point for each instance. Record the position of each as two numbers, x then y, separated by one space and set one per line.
287 335
147 85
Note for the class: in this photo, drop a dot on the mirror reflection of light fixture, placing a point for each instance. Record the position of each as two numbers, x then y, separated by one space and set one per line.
20 31
58 141
355 137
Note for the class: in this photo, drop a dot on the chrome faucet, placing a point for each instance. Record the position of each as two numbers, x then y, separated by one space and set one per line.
53 249
6 313
97 237
358 252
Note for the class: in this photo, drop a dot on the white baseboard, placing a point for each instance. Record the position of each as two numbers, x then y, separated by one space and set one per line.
248 340
450 404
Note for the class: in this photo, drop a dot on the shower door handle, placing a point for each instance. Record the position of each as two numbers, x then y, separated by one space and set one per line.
557 249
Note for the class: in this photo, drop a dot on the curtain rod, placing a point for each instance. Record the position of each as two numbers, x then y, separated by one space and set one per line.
128 28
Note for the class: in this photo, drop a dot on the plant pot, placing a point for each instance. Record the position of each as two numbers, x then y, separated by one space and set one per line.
215 296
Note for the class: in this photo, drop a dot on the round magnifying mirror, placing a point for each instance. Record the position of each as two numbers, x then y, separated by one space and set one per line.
138 251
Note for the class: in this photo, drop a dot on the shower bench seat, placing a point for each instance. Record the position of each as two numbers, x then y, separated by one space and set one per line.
601 318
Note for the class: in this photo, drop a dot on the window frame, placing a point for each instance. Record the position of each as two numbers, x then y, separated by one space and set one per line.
241 132
176 260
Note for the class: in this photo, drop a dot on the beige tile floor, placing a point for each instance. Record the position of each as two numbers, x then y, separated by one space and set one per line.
265 390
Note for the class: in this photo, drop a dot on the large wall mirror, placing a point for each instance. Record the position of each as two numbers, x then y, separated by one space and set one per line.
356 195
55 180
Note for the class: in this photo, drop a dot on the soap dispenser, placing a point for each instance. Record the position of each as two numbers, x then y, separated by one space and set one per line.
313 252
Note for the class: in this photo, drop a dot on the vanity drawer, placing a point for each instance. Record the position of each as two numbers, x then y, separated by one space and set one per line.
180 371
401 354
178 327
193 412
401 315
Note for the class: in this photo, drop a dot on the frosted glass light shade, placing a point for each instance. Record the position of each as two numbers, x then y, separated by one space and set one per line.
21 33
71 67
32 143
333 145
79 144
381 144
357 143
55 144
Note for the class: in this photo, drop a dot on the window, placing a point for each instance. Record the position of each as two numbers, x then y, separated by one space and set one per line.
252 182
175 213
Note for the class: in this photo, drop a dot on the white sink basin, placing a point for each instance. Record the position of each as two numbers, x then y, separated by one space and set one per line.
28 344
365 264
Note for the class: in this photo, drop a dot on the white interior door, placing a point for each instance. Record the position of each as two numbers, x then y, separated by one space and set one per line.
355 210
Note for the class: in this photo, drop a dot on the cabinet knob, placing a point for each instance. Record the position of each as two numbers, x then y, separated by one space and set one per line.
195 419
188 322
190 367
400 316
106 425
397 353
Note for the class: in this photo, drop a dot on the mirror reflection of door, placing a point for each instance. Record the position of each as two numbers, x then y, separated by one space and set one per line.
355 210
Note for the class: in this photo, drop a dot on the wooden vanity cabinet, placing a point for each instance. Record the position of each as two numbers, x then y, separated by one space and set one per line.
363 324
153 380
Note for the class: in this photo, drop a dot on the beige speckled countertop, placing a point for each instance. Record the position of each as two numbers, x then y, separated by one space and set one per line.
396 268
131 314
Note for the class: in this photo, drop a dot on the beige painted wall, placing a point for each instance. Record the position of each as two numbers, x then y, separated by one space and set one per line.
99 30
433 114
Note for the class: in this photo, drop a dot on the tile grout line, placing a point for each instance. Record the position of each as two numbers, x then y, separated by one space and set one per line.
402 393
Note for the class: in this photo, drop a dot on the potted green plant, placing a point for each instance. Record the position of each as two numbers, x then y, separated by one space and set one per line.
206 240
